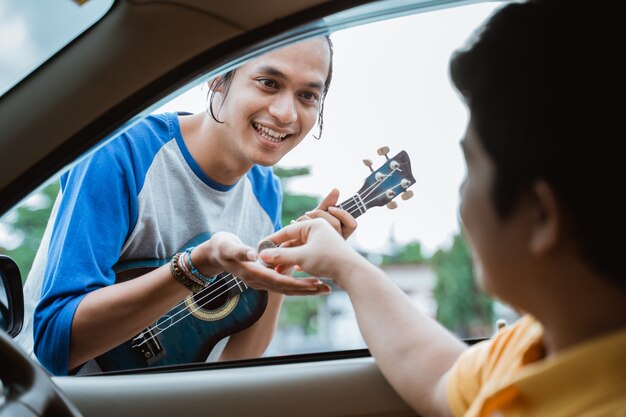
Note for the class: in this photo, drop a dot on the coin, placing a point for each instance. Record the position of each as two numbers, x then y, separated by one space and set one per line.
266 244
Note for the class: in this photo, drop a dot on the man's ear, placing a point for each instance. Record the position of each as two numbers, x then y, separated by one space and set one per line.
548 222
216 84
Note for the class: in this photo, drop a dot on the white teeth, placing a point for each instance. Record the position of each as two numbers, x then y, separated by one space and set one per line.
270 134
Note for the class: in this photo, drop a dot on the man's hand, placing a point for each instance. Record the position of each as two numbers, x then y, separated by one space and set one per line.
339 219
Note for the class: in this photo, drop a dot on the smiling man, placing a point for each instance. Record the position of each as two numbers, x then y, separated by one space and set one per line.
164 182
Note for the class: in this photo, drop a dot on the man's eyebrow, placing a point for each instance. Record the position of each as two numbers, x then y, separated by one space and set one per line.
279 74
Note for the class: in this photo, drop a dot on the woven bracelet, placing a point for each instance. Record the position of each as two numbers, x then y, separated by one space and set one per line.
182 279
194 270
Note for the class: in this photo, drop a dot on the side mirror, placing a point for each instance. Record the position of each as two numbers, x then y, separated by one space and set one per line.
11 297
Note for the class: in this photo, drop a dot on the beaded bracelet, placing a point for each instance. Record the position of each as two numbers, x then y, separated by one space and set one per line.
183 279
194 270
182 265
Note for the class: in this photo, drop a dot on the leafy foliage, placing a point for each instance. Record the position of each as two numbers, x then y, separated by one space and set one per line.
27 224
411 253
294 205
462 306
284 173
301 312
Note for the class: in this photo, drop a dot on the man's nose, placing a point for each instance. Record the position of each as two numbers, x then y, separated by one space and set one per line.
283 108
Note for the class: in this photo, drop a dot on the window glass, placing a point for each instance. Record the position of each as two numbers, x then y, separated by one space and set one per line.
390 89
31 32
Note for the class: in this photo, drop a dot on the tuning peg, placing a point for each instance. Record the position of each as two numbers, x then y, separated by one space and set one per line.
405 183
392 205
368 163
390 194
383 151
500 324
407 194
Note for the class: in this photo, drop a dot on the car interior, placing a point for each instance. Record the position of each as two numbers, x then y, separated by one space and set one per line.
138 57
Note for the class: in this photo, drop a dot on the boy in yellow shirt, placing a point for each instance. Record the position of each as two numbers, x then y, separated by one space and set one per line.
544 151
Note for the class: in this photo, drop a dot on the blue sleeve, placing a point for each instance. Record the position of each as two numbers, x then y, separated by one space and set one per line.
268 191
93 221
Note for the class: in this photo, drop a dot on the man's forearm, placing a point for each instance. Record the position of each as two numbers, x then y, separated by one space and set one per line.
122 310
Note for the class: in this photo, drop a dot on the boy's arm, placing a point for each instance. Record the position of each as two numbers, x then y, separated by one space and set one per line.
413 351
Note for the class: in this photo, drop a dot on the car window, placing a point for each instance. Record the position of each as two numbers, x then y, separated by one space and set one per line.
390 93
31 32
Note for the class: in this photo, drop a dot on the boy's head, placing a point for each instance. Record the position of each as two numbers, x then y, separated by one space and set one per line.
543 81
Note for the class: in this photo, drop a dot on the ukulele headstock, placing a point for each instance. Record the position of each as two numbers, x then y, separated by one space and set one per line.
391 179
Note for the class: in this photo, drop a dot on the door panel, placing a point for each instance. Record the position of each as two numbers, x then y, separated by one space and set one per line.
347 387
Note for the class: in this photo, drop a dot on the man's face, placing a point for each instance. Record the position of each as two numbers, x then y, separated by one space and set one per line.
273 101
498 246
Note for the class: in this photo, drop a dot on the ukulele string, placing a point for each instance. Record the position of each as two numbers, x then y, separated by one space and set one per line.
352 209
192 310
366 194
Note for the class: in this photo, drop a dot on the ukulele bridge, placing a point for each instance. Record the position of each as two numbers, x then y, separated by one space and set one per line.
146 345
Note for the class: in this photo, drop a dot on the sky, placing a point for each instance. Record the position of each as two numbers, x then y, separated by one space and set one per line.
390 88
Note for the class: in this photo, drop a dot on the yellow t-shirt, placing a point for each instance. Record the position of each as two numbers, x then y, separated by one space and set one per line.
509 376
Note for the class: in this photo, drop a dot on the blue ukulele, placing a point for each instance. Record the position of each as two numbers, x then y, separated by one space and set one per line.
189 332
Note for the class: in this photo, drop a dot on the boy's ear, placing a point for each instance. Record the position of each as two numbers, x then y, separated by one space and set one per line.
548 222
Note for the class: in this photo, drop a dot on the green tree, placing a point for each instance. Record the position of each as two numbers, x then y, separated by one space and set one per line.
411 253
301 312
27 224
461 305
298 312
294 205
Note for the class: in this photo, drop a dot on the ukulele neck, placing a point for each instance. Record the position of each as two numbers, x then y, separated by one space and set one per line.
354 205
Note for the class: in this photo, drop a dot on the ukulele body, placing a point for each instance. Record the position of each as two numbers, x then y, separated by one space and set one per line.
189 332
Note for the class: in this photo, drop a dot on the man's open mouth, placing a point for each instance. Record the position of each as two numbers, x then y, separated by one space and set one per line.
270 134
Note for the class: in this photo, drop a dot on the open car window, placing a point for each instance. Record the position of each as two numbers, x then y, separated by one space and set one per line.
390 89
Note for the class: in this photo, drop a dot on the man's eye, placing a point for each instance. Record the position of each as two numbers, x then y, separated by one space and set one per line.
266 82
310 97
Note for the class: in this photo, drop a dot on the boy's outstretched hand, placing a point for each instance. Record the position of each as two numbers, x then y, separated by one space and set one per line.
315 247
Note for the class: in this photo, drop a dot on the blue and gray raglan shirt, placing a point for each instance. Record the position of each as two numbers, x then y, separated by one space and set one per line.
141 196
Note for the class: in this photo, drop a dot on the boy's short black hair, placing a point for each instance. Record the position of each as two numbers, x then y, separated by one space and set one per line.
544 81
